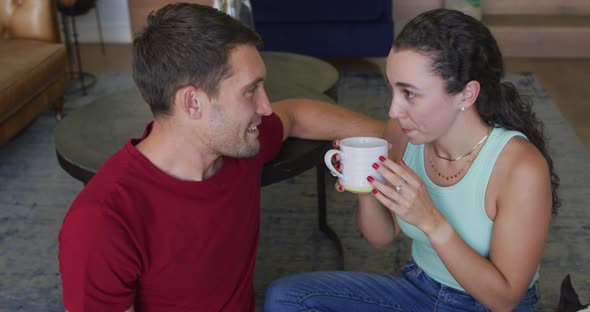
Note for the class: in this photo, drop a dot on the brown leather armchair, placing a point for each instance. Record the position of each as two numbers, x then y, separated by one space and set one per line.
32 63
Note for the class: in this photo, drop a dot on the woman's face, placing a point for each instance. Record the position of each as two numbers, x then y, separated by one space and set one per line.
424 109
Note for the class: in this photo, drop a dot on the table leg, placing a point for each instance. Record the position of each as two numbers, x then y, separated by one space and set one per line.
322 217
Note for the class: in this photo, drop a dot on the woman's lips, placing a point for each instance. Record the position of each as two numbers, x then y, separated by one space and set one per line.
406 131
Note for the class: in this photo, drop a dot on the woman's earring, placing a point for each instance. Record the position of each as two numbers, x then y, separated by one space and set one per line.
462 108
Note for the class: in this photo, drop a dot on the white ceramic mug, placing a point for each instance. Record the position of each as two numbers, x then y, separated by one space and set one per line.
357 155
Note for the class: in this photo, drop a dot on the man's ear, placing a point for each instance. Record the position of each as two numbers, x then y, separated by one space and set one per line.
190 101
469 95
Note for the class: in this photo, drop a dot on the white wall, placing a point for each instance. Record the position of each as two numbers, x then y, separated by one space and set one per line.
114 17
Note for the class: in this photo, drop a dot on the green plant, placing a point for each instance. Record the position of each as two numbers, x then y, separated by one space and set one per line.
474 3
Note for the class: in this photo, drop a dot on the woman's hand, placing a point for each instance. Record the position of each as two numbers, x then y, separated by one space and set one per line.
406 195
338 166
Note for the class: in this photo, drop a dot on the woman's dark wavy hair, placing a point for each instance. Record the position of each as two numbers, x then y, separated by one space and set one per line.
462 49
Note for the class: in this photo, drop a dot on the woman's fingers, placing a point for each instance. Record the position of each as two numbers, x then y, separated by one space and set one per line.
381 192
403 172
389 191
336 163
336 158
399 187
390 176
339 186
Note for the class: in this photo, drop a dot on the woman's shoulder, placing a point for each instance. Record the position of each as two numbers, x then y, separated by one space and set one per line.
520 180
521 157
514 152
520 171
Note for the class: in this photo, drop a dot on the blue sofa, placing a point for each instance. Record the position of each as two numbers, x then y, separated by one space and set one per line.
325 28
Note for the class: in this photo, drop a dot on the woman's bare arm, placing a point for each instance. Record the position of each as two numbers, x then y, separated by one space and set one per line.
376 222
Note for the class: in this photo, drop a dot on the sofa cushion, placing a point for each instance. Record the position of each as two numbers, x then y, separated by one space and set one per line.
328 40
309 11
26 66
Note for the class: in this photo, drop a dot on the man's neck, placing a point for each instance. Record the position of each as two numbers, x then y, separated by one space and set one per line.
177 154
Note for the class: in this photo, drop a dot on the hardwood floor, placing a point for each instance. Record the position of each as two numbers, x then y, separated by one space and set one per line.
116 57
567 81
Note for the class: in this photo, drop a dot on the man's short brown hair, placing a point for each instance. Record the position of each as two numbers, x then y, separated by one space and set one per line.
185 44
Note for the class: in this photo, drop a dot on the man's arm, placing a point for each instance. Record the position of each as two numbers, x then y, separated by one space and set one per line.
97 260
312 119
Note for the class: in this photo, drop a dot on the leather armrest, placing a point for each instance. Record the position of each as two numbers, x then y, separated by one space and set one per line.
29 19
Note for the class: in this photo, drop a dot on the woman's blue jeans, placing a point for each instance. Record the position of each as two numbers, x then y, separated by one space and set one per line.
352 291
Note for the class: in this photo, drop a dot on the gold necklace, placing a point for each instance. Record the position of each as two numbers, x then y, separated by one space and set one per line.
468 153
453 176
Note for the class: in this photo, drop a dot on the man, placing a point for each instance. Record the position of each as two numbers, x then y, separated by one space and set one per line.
171 221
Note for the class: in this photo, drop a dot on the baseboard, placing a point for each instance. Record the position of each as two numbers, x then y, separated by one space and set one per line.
545 36
536 7
544 43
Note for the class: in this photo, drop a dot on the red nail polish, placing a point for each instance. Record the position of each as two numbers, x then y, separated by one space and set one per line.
374 191
340 188
404 163
382 158
334 143
339 167
375 166
370 179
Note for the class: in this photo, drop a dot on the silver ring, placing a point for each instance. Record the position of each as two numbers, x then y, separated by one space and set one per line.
398 188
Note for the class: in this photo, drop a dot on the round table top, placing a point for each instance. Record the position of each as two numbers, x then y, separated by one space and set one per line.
87 137
306 71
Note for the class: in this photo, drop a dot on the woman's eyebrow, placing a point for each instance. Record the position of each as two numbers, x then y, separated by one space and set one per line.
406 85
401 84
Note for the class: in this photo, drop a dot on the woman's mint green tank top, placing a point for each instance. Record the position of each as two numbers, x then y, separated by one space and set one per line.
462 204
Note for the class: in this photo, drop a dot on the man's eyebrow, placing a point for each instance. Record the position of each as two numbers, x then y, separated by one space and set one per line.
253 83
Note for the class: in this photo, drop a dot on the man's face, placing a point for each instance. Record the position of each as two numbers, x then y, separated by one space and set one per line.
233 116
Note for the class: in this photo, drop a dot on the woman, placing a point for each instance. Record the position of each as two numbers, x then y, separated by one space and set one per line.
475 189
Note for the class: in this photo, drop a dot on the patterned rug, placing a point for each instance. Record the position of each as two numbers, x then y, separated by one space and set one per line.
35 193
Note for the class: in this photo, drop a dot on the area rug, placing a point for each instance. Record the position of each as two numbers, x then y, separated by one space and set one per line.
35 194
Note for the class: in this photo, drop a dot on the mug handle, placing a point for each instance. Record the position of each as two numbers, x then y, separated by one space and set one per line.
328 161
